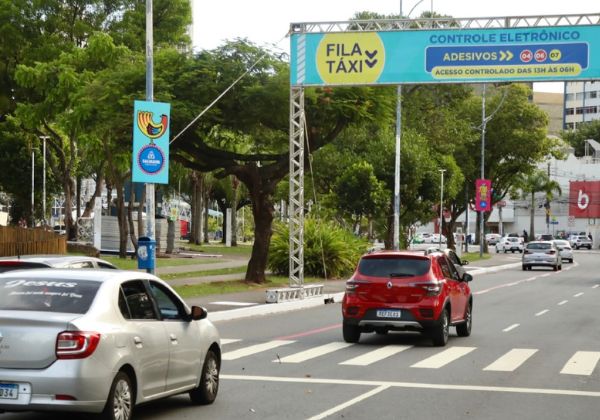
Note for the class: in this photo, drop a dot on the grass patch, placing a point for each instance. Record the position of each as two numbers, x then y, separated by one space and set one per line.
203 273
474 256
129 264
241 250
223 287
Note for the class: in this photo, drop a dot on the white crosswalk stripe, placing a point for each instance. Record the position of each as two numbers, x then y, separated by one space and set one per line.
257 348
511 360
375 355
442 359
582 363
314 352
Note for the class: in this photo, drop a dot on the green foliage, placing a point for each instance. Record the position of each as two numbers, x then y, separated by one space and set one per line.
324 243
577 138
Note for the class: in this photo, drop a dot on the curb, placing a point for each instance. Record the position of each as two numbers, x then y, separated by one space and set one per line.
274 308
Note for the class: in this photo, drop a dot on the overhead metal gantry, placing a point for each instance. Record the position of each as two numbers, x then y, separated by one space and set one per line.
297 115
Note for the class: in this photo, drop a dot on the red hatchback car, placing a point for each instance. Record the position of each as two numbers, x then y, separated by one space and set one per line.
407 291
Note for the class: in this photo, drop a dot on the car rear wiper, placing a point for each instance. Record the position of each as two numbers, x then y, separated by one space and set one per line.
401 275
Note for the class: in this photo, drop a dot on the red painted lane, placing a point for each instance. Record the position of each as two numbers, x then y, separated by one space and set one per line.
311 332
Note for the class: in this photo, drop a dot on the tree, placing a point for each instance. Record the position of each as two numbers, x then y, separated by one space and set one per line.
538 182
577 138
259 108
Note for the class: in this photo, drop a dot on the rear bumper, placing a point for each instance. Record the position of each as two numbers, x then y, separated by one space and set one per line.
86 380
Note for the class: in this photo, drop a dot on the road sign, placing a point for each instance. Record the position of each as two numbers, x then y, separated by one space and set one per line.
425 56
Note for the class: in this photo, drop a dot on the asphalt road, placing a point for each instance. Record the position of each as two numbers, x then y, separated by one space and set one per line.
533 354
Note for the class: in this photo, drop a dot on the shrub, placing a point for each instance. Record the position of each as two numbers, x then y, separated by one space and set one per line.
323 242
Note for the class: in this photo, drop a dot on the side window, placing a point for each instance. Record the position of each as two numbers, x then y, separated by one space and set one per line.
454 258
134 301
168 305
448 271
81 264
105 265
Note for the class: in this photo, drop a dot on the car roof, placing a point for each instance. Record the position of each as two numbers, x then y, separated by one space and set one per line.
52 260
62 274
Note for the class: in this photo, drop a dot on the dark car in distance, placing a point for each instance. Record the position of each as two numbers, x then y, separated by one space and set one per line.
407 291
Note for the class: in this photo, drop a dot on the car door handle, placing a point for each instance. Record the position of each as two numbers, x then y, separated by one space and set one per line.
138 341
173 338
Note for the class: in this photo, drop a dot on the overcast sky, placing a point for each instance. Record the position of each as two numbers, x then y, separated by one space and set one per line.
266 22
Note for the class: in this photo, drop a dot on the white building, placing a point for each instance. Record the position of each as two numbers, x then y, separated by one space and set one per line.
582 103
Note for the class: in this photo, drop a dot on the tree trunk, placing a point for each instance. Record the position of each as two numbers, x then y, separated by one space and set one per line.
170 236
70 227
89 206
78 203
197 204
263 211
235 184
206 215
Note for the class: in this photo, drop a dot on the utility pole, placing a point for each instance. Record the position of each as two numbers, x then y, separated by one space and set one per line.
482 213
44 138
149 97
441 206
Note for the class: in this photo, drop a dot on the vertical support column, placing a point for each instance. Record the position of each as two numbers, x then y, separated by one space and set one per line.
296 202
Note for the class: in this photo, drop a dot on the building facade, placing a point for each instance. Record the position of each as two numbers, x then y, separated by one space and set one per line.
582 103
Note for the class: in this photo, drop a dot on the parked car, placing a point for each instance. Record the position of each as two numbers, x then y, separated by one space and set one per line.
435 238
546 237
492 238
580 241
101 341
53 261
541 254
407 291
564 249
509 243
421 238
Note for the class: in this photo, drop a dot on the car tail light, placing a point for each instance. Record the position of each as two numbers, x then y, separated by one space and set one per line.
432 289
352 285
76 344
65 397
551 252
527 251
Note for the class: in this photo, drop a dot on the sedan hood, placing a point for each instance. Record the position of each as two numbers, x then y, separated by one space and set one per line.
28 339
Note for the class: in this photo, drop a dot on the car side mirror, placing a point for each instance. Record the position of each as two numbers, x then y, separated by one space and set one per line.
467 277
464 262
198 313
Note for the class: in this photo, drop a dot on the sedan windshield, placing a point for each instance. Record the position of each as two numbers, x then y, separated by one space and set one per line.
27 294
393 267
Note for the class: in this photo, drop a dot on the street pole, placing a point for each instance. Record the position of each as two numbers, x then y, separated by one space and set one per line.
32 188
149 97
397 169
441 206
481 213
44 138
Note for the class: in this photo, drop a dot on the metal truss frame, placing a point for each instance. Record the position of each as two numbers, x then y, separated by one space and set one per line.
297 116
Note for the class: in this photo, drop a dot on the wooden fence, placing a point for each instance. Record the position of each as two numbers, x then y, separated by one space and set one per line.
22 241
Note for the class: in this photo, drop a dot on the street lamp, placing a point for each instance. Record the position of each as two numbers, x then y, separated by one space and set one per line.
441 205
44 138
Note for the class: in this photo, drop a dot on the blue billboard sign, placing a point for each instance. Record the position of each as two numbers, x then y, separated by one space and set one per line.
151 121
444 56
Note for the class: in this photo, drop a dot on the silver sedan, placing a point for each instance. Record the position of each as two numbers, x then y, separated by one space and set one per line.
564 249
541 254
101 341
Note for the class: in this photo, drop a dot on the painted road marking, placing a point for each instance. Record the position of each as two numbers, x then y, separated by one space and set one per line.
227 303
511 360
349 403
582 363
501 286
442 359
595 286
562 302
257 348
229 340
578 294
375 355
314 352
414 385
512 327
311 332
540 313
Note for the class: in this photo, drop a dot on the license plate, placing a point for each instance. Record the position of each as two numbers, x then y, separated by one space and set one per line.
389 313
9 391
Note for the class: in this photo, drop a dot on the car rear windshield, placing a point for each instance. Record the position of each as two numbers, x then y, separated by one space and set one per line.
393 267
31 294
539 246
19 265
